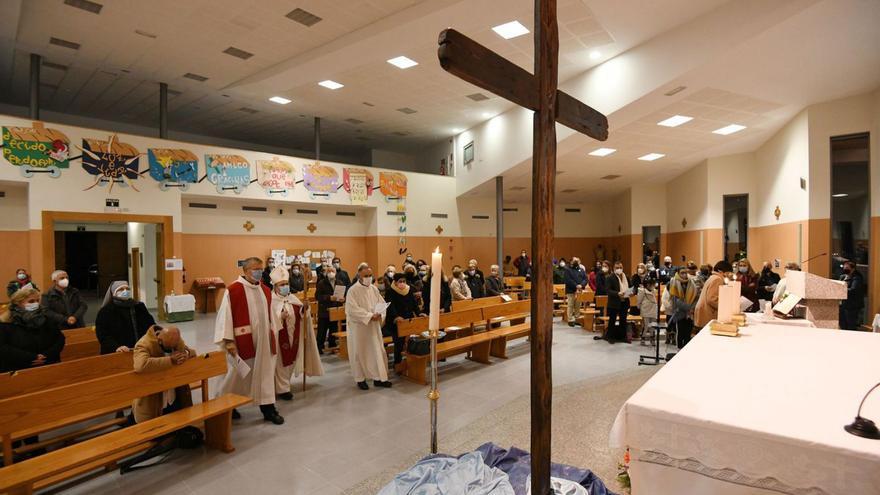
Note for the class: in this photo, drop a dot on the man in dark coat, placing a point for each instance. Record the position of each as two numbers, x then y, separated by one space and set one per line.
324 294
402 306
475 280
575 282
62 303
851 307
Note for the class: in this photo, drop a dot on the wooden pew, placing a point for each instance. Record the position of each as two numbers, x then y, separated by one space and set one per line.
512 311
44 410
65 373
80 343
338 314
478 345
480 302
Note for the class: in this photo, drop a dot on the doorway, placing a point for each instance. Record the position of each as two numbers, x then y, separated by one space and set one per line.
651 244
851 206
736 227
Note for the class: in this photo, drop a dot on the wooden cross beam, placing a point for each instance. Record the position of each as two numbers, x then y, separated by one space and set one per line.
482 67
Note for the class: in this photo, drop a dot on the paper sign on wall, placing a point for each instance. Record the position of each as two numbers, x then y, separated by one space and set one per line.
174 264
111 162
173 167
36 149
358 188
275 176
228 172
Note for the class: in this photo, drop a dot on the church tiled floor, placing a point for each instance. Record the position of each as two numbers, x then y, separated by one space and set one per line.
336 436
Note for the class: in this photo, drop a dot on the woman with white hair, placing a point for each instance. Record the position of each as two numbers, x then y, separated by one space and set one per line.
62 303
121 321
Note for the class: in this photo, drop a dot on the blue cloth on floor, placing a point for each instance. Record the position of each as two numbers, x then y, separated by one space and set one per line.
444 475
517 464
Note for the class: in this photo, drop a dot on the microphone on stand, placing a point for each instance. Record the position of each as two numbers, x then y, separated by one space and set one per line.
814 257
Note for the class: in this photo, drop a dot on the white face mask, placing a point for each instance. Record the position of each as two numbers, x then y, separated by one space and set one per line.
618 271
604 269
21 276
296 271
743 269
367 281
63 283
562 264
331 276
31 306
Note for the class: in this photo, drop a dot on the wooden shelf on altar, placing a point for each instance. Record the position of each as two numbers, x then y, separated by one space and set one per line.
205 290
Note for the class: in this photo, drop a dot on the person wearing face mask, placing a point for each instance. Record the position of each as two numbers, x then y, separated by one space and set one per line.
265 278
247 330
62 303
851 308
767 282
415 282
28 338
559 271
475 281
22 280
782 286
445 293
325 291
402 306
409 259
694 274
387 279
639 277
458 285
297 347
575 282
121 321
682 297
707 304
494 282
601 278
160 349
617 286
523 264
592 277
366 349
341 275
666 271
297 278
748 279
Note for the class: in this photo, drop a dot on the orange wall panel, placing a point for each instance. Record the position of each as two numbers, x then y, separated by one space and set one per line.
686 243
16 254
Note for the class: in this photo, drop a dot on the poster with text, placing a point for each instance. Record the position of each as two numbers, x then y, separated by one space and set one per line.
275 175
358 188
228 172
111 162
346 179
37 148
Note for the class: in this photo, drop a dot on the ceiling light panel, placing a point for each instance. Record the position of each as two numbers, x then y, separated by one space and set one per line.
402 62
510 30
730 129
650 157
64 43
330 84
675 121
602 151
279 100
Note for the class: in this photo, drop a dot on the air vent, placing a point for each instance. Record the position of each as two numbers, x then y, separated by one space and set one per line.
109 73
254 208
610 177
207 206
345 214
572 210
396 213
307 212
568 190
518 188
400 133
146 34
510 209
195 77
303 17
478 97
480 217
439 215
368 104
94 8
238 52
248 110
2 194
406 110
173 92
363 138
51 87
53 65
354 121
64 43
675 91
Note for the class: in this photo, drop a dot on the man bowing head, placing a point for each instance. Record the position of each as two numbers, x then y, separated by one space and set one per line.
364 312
246 328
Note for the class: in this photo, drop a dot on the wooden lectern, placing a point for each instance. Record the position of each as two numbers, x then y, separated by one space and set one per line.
820 296
206 287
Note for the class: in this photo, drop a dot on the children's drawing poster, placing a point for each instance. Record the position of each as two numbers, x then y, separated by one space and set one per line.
392 184
275 175
228 172
358 190
36 149
111 162
320 179
346 178
173 167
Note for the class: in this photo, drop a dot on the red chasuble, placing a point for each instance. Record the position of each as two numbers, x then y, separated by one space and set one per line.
288 351
241 319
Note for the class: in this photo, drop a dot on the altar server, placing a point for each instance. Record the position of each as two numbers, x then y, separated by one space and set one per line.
246 329
298 349
366 350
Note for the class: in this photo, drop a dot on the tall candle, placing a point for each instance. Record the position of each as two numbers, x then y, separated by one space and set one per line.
436 277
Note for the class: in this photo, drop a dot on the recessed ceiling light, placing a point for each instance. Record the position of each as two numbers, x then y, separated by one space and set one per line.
602 151
457 130
675 121
403 62
841 195
279 100
650 157
487 115
330 84
510 30
595 54
730 129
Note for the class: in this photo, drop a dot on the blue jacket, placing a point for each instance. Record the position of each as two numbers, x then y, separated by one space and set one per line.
573 278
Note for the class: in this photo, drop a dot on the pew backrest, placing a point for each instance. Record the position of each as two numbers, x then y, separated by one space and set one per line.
418 325
80 343
65 373
336 314
480 302
507 309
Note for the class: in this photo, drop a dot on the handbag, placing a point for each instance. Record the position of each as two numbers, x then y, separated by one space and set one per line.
418 346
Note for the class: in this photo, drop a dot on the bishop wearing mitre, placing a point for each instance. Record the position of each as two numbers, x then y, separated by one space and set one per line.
297 346
247 329
366 350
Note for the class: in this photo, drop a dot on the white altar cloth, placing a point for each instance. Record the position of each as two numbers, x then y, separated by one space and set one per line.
765 409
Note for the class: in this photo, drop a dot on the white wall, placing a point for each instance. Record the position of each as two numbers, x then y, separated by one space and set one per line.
782 161
687 197
395 160
648 207
731 175
143 237
14 207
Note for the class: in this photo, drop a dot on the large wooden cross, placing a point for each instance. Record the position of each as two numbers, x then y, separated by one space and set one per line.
482 67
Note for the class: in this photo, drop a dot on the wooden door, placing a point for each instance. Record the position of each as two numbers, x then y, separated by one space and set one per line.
112 258
135 273
160 271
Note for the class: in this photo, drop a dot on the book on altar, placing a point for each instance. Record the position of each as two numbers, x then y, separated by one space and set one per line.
339 292
728 301
787 304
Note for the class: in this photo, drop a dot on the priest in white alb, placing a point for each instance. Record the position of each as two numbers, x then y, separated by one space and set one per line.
246 328
366 350
297 346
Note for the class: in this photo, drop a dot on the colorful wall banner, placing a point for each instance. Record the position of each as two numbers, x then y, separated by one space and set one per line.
36 149
392 184
111 162
320 179
275 176
346 173
173 167
228 172
358 190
